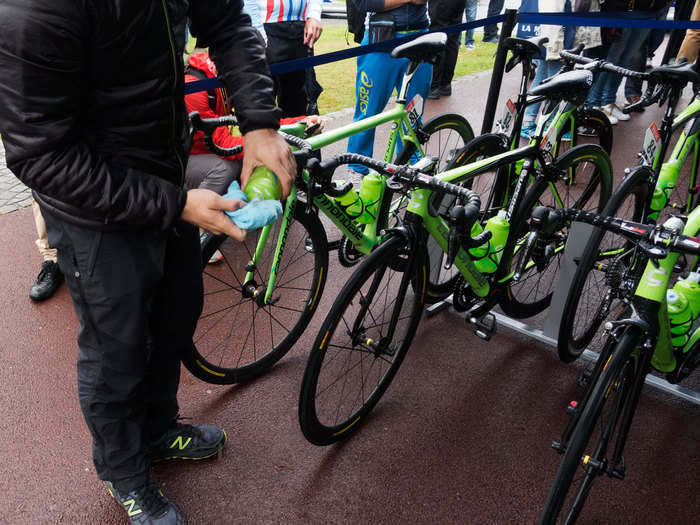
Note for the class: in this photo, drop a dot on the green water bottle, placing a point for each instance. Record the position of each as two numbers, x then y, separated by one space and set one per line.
370 195
263 185
680 317
499 228
690 289
351 201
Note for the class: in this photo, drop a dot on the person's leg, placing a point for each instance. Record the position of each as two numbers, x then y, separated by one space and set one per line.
176 307
470 16
42 242
446 68
373 87
285 42
113 278
211 172
491 30
691 42
50 276
596 91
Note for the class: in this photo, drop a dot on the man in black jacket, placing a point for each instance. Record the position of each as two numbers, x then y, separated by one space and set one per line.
93 120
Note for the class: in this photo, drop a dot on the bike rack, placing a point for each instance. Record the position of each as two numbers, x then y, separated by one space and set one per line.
575 245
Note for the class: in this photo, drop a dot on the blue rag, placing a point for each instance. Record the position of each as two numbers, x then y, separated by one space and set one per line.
255 214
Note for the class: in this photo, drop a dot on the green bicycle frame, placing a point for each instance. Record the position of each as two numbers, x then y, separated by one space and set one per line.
365 238
669 171
653 286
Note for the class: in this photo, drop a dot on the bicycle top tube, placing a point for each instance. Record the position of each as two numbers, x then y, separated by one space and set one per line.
398 112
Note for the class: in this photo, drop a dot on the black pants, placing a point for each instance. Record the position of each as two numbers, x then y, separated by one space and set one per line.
445 13
495 8
137 296
285 41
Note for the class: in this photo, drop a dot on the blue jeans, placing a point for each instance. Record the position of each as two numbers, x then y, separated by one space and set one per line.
377 76
470 16
623 53
545 69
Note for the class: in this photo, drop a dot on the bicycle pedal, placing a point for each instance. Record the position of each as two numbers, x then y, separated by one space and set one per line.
618 472
559 447
485 326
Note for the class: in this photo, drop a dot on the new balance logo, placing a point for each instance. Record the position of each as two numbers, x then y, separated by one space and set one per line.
130 510
181 445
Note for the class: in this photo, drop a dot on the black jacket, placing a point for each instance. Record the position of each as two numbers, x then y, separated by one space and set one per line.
92 111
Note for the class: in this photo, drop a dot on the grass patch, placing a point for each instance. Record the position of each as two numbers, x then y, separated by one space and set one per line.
338 78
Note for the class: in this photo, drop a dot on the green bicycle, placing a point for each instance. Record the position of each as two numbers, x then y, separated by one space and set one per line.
259 299
648 335
557 131
371 324
609 268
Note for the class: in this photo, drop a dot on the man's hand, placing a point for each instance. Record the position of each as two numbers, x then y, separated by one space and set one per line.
265 147
205 208
312 31
312 120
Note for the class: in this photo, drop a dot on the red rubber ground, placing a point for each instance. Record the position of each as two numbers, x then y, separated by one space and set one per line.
462 436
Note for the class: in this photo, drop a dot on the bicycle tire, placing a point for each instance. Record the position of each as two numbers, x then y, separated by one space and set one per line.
600 131
236 338
491 187
591 300
458 133
613 385
332 407
517 299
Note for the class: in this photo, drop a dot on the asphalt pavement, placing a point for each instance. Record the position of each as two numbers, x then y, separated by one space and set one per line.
462 436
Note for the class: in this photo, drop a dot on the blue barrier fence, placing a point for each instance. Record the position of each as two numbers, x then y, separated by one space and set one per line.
630 19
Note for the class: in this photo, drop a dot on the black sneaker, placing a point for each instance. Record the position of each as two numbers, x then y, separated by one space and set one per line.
47 282
446 91
147 505
188 442
434 93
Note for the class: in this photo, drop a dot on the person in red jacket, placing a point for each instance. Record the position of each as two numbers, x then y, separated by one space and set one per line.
205 169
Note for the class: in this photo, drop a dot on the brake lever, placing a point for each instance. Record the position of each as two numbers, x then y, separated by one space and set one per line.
456 221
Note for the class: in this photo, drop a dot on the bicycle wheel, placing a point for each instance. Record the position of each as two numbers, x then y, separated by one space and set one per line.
238 337
612 390
354 359
604 276
589 126
491 187
442 137
586 185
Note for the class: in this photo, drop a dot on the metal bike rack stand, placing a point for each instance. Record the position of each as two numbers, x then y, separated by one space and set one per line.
575 245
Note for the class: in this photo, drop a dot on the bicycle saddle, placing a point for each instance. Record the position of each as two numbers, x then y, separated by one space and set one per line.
677 72
526 47
425 48
571 86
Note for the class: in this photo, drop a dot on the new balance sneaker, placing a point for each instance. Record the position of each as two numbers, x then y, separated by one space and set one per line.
147 506
47 282
617 113
608 113
188 442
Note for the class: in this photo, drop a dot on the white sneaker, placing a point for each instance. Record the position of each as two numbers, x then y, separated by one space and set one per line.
617 112
608 113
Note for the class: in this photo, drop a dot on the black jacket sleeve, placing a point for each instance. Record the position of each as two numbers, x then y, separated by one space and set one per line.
44 85
239 56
